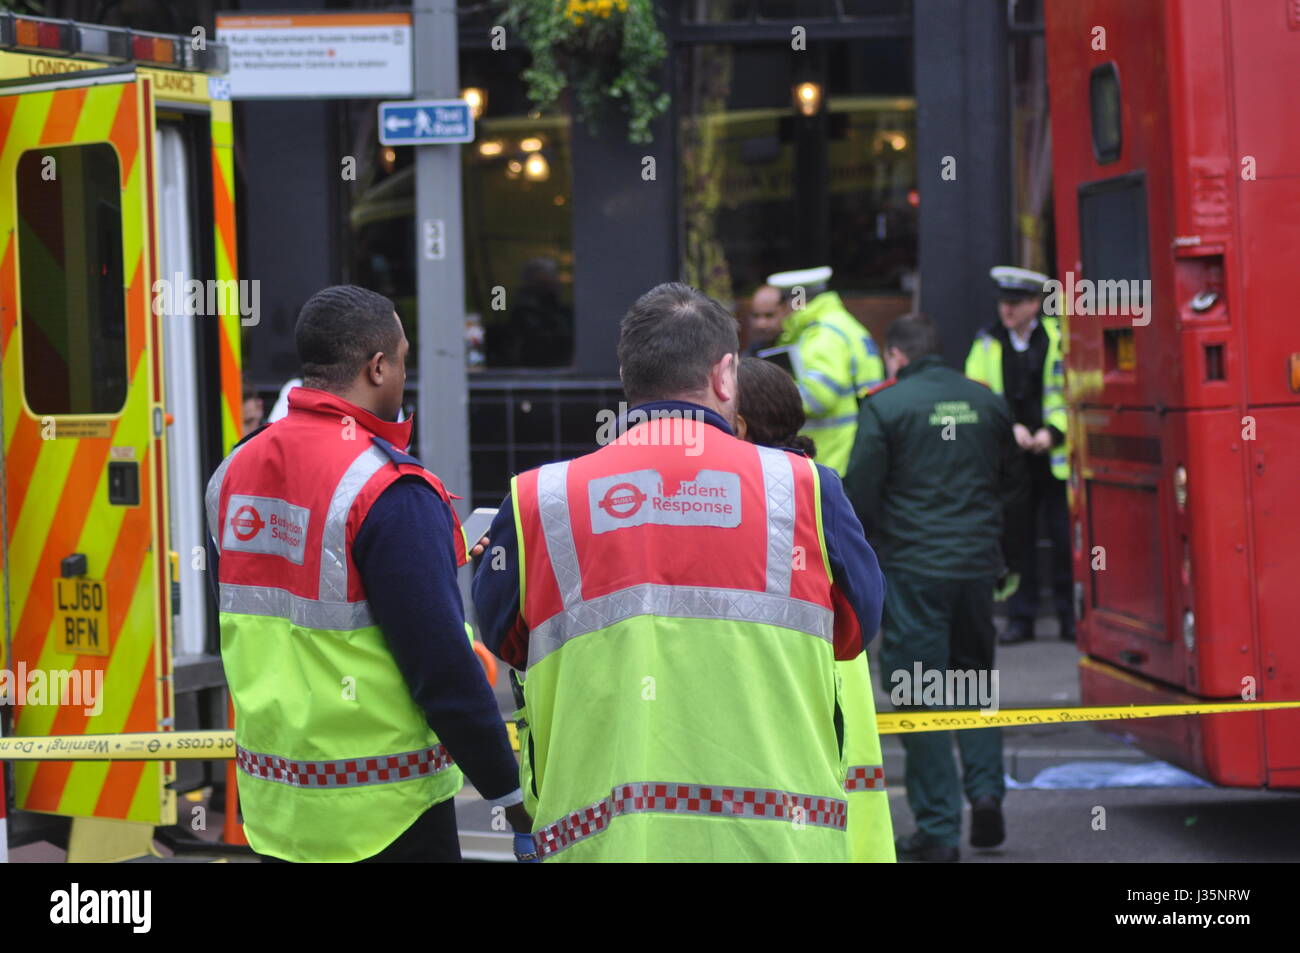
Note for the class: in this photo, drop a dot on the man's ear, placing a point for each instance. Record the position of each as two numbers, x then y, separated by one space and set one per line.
725 378
375 368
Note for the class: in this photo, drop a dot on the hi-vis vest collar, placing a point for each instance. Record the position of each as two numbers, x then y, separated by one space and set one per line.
310 400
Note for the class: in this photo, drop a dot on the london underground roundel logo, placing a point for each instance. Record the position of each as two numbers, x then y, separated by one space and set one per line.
622 500
246 523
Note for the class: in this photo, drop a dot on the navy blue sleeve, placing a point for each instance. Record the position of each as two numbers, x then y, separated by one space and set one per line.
496 591
854 569
405 555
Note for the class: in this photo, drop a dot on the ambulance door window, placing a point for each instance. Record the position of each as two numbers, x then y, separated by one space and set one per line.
70 280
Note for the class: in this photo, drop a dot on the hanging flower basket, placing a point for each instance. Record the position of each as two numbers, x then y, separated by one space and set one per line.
607 52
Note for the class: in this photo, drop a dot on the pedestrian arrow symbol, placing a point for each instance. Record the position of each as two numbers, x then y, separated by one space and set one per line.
424 122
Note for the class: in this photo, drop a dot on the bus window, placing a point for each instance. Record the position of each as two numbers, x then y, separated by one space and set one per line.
70 280
1103 91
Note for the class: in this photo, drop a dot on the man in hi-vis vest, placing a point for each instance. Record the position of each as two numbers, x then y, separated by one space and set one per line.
677 601
358 700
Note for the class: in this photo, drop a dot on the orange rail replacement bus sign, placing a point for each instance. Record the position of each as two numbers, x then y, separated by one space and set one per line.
81 616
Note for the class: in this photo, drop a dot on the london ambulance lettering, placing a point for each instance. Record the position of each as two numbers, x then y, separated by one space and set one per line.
640 497
57 498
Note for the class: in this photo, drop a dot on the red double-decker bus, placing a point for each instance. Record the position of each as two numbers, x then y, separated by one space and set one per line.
1176 163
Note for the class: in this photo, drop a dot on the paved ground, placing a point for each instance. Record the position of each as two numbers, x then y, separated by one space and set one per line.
1174 825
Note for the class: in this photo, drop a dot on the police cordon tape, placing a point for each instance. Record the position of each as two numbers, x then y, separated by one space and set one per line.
220 745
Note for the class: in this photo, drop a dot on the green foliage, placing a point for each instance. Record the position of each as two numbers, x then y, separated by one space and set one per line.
605 51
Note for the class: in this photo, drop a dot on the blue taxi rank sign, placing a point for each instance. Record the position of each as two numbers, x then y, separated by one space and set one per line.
425 122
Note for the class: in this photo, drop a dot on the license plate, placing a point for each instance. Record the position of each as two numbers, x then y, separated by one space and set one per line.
81 616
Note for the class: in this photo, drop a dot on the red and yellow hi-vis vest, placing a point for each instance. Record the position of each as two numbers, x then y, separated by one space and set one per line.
335 758
681 687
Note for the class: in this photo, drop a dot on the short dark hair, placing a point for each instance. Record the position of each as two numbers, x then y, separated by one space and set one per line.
914 335
338 330
669 339
771 405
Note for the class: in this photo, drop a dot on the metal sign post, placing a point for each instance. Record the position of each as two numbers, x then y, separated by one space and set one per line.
443 414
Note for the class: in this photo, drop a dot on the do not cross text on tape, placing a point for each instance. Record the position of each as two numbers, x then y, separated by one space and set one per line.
220 745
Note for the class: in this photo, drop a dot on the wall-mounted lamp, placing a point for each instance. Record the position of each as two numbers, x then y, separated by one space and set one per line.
477 98
536 167
808 98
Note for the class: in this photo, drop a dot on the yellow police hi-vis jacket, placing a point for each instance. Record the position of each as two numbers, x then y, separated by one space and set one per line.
984 364
835 362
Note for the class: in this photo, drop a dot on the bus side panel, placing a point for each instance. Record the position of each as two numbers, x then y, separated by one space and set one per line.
1275 459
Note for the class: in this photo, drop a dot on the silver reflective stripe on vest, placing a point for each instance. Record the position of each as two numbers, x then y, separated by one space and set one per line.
778 487
826 423
282 604
334 542
865 777
678 602
726 803
553 505
212 497
346 772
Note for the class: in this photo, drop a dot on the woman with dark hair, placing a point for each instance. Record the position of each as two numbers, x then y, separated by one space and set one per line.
770 412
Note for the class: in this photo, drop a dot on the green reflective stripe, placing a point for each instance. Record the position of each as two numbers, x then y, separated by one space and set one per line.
720 801
212 497
778 488
827 422
681 602
553 505
334 541
281 604
344 772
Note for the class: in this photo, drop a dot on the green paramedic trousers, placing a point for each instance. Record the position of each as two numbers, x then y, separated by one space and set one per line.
946 625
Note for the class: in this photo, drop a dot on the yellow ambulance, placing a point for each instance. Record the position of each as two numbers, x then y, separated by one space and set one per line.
121 392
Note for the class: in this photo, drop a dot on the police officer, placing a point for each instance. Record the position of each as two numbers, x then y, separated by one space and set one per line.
832 356
933 471
358 700
1020 357
678 619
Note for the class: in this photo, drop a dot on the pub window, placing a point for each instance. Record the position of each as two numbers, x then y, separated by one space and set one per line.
70 280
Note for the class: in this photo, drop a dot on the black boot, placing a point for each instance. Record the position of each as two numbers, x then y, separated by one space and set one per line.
986 826
912 848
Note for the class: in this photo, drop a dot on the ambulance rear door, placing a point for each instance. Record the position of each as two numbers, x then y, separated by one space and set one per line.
84 461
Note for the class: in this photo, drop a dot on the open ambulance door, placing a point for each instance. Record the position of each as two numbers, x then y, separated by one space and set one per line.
88 582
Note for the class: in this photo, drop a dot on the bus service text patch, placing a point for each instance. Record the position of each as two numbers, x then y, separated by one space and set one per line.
637 498
263 524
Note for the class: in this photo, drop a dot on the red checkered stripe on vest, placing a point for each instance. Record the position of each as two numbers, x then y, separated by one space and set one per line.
668 798
347 772
865 777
